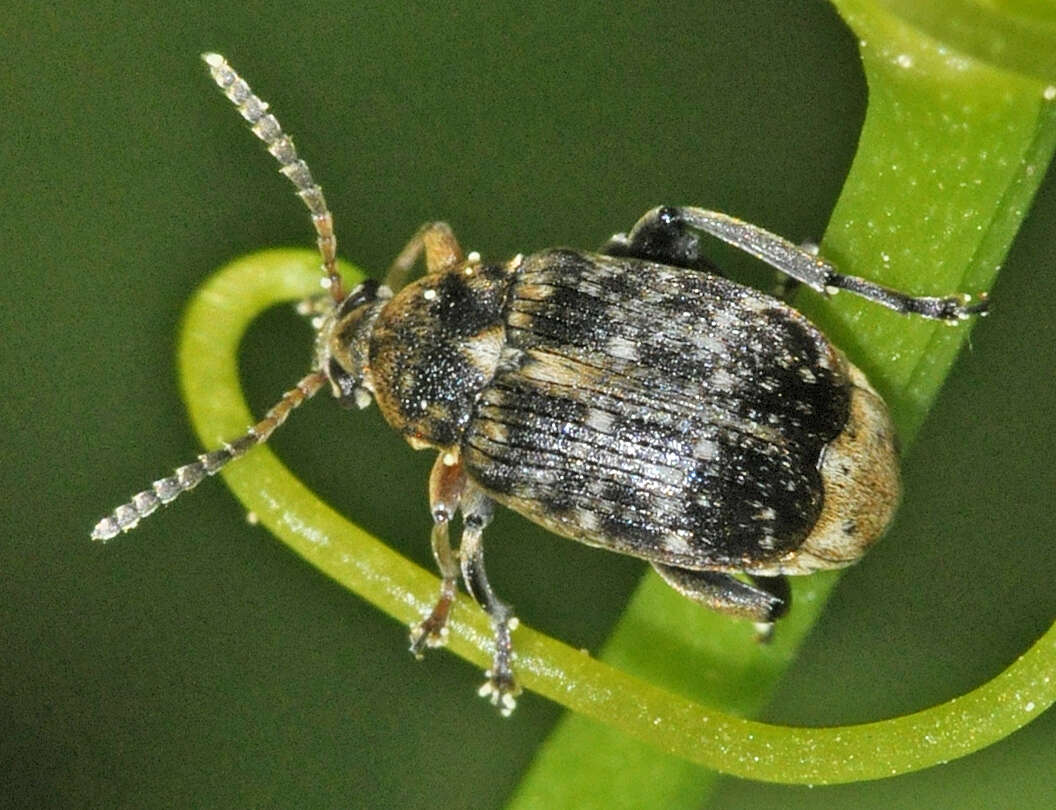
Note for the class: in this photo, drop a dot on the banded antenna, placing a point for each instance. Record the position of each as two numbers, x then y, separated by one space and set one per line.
266 127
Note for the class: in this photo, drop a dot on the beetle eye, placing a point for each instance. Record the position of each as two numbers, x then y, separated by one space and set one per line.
362 294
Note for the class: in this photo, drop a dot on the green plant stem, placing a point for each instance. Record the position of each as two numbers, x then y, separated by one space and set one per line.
951 152
216 320
1015 35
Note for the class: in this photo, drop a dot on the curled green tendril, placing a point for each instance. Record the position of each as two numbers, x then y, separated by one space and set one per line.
952 149
218 316
960 126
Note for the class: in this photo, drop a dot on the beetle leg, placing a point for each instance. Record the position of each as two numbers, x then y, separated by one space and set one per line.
765 601
779 589
441 248
797 262
446 485
785 287
662 239
501 687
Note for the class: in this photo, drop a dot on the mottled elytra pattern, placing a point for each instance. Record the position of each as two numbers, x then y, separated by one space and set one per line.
670 415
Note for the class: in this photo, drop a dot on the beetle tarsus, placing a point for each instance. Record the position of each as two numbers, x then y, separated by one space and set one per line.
431 632
501 688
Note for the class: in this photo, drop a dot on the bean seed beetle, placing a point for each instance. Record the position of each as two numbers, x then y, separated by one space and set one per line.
632 399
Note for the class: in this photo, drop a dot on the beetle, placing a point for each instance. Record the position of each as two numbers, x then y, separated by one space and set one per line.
632 399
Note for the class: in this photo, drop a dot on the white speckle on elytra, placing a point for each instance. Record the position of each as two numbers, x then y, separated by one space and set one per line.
704 449
599 420
622 347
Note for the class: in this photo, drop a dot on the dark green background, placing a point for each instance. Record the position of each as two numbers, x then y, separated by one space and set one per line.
197 662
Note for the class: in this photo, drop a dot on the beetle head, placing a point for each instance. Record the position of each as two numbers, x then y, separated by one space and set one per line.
342 348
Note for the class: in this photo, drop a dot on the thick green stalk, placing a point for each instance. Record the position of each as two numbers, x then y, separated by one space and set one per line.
951 152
